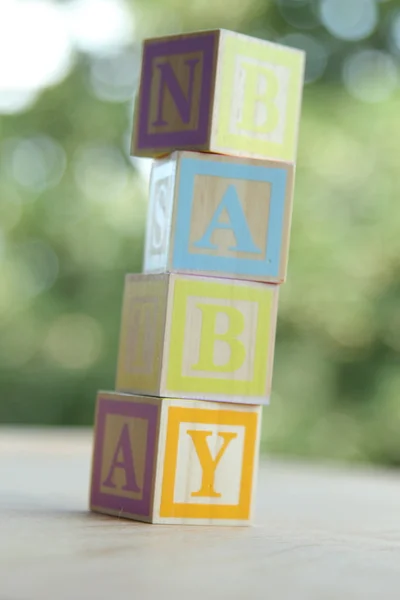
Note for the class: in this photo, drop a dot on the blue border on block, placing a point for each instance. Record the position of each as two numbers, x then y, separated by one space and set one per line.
183 259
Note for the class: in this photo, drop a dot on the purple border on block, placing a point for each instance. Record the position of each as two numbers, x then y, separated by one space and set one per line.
153 50
128 409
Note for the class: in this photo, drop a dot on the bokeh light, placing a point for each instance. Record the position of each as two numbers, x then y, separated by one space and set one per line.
316 54
74 341
101 172
98 26
301 14
19 344
36 266
370 75
29 29
114 78
349 20
10 208
36 163
394 31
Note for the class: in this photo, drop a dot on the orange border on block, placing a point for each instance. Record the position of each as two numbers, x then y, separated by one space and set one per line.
178 415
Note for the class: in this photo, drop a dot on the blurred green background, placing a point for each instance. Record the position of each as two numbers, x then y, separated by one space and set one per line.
73 208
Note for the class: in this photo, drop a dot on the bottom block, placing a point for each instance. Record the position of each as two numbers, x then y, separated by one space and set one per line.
174 461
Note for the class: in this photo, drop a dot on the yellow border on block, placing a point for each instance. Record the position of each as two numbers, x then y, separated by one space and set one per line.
178 415
254 386
281 56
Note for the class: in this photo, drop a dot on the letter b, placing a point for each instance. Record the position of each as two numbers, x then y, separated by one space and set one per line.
253 98
208 338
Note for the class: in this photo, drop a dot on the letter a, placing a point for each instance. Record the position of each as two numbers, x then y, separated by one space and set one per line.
208 338
252 96
126 463
237 223
208 464
168 79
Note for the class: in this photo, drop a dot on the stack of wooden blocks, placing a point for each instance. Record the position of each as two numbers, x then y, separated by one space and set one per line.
179 440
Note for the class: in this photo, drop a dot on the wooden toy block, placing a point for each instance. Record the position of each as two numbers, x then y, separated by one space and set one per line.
174 461
197 337
220 92
219 215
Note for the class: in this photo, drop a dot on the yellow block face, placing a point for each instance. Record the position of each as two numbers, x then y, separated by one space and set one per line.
141 335
221 448
220 342
259 98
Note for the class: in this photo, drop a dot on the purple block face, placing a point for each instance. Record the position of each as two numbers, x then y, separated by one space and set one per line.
124 455
175 97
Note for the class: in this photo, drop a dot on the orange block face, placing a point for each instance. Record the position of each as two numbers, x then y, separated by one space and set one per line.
175 461
219 446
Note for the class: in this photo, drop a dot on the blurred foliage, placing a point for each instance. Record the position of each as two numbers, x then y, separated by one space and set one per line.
73 207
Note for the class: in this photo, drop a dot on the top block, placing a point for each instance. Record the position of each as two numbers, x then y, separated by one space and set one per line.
220 92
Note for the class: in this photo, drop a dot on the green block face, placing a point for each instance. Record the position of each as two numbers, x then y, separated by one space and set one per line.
258 102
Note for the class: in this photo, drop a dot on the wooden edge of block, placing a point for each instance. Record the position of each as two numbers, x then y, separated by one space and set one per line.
272 339
214 109
264 279
164 323
121 323
239 400
300 97
131 277
135 122
256 465
158 433
214 88
109 512
218 280
169 305
233 159
94 430
177 157
179 36
287 222
250 38
159 458
118 395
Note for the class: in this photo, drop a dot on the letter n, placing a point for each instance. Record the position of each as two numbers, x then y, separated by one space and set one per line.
169 81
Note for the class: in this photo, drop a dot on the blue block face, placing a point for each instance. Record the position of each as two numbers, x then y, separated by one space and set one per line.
232 218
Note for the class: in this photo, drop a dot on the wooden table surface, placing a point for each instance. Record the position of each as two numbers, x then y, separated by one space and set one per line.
320 533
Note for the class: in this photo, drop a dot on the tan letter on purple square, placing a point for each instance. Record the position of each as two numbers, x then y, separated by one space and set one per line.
123 458
175 92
